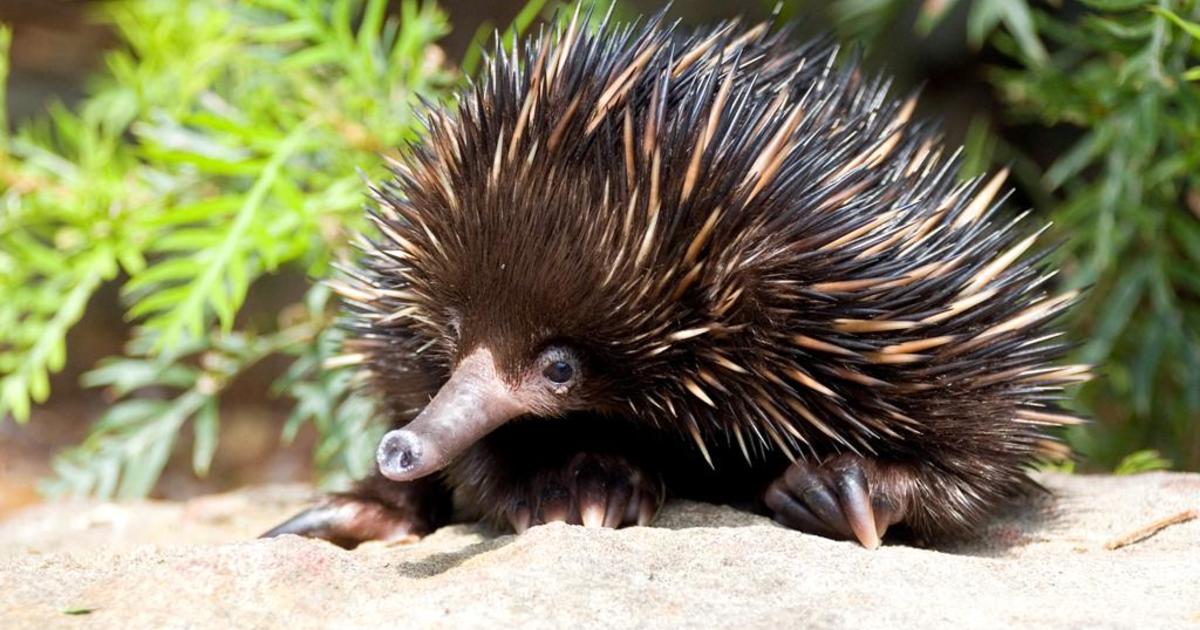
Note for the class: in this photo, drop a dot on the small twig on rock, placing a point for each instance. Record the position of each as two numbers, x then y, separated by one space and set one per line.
1142 533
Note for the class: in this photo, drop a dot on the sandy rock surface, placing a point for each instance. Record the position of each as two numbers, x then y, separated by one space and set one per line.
196 565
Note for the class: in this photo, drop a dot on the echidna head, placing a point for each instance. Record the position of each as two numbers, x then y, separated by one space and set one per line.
527 266
556 244
523 290
508 292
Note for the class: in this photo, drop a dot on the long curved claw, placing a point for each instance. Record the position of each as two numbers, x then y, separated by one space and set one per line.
520 516
792 513
592 493
834 499
555 505
855 499
376 509
314 520
348 523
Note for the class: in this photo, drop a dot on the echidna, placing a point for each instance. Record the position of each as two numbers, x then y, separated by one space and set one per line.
632 264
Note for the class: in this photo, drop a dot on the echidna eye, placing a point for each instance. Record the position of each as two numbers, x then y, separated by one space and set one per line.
559 372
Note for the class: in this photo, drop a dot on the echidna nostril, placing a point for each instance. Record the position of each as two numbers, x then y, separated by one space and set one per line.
398 454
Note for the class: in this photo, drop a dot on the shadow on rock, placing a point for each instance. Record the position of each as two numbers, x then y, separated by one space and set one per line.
1027 519
438 563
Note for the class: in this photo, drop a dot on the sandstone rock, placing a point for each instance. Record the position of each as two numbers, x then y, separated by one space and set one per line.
197 565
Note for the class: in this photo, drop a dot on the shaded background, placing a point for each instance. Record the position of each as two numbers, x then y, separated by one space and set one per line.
55 48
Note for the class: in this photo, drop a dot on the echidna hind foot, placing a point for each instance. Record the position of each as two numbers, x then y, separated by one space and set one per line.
851 497
846 497
376 508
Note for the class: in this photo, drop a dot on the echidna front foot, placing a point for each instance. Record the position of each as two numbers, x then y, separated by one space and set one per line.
376 509
841 498
592 490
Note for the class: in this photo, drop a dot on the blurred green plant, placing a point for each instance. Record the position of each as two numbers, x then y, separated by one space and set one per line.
487 31
867 20
1125 197
222 146
1147 460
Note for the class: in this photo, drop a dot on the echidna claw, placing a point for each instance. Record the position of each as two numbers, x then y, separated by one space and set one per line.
555 505
520 516
375 509
348 522
593 491
833 500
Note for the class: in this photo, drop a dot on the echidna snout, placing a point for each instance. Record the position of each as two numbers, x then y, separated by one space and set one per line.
473 402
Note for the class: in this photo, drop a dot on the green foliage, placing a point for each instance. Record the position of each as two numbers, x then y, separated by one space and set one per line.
221 147
1141 461
1125 198
866 21
486 32
325 397
552 12
1066 466
1147 460
1129 205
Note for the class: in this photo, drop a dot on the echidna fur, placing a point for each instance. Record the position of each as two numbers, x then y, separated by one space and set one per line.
757 249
